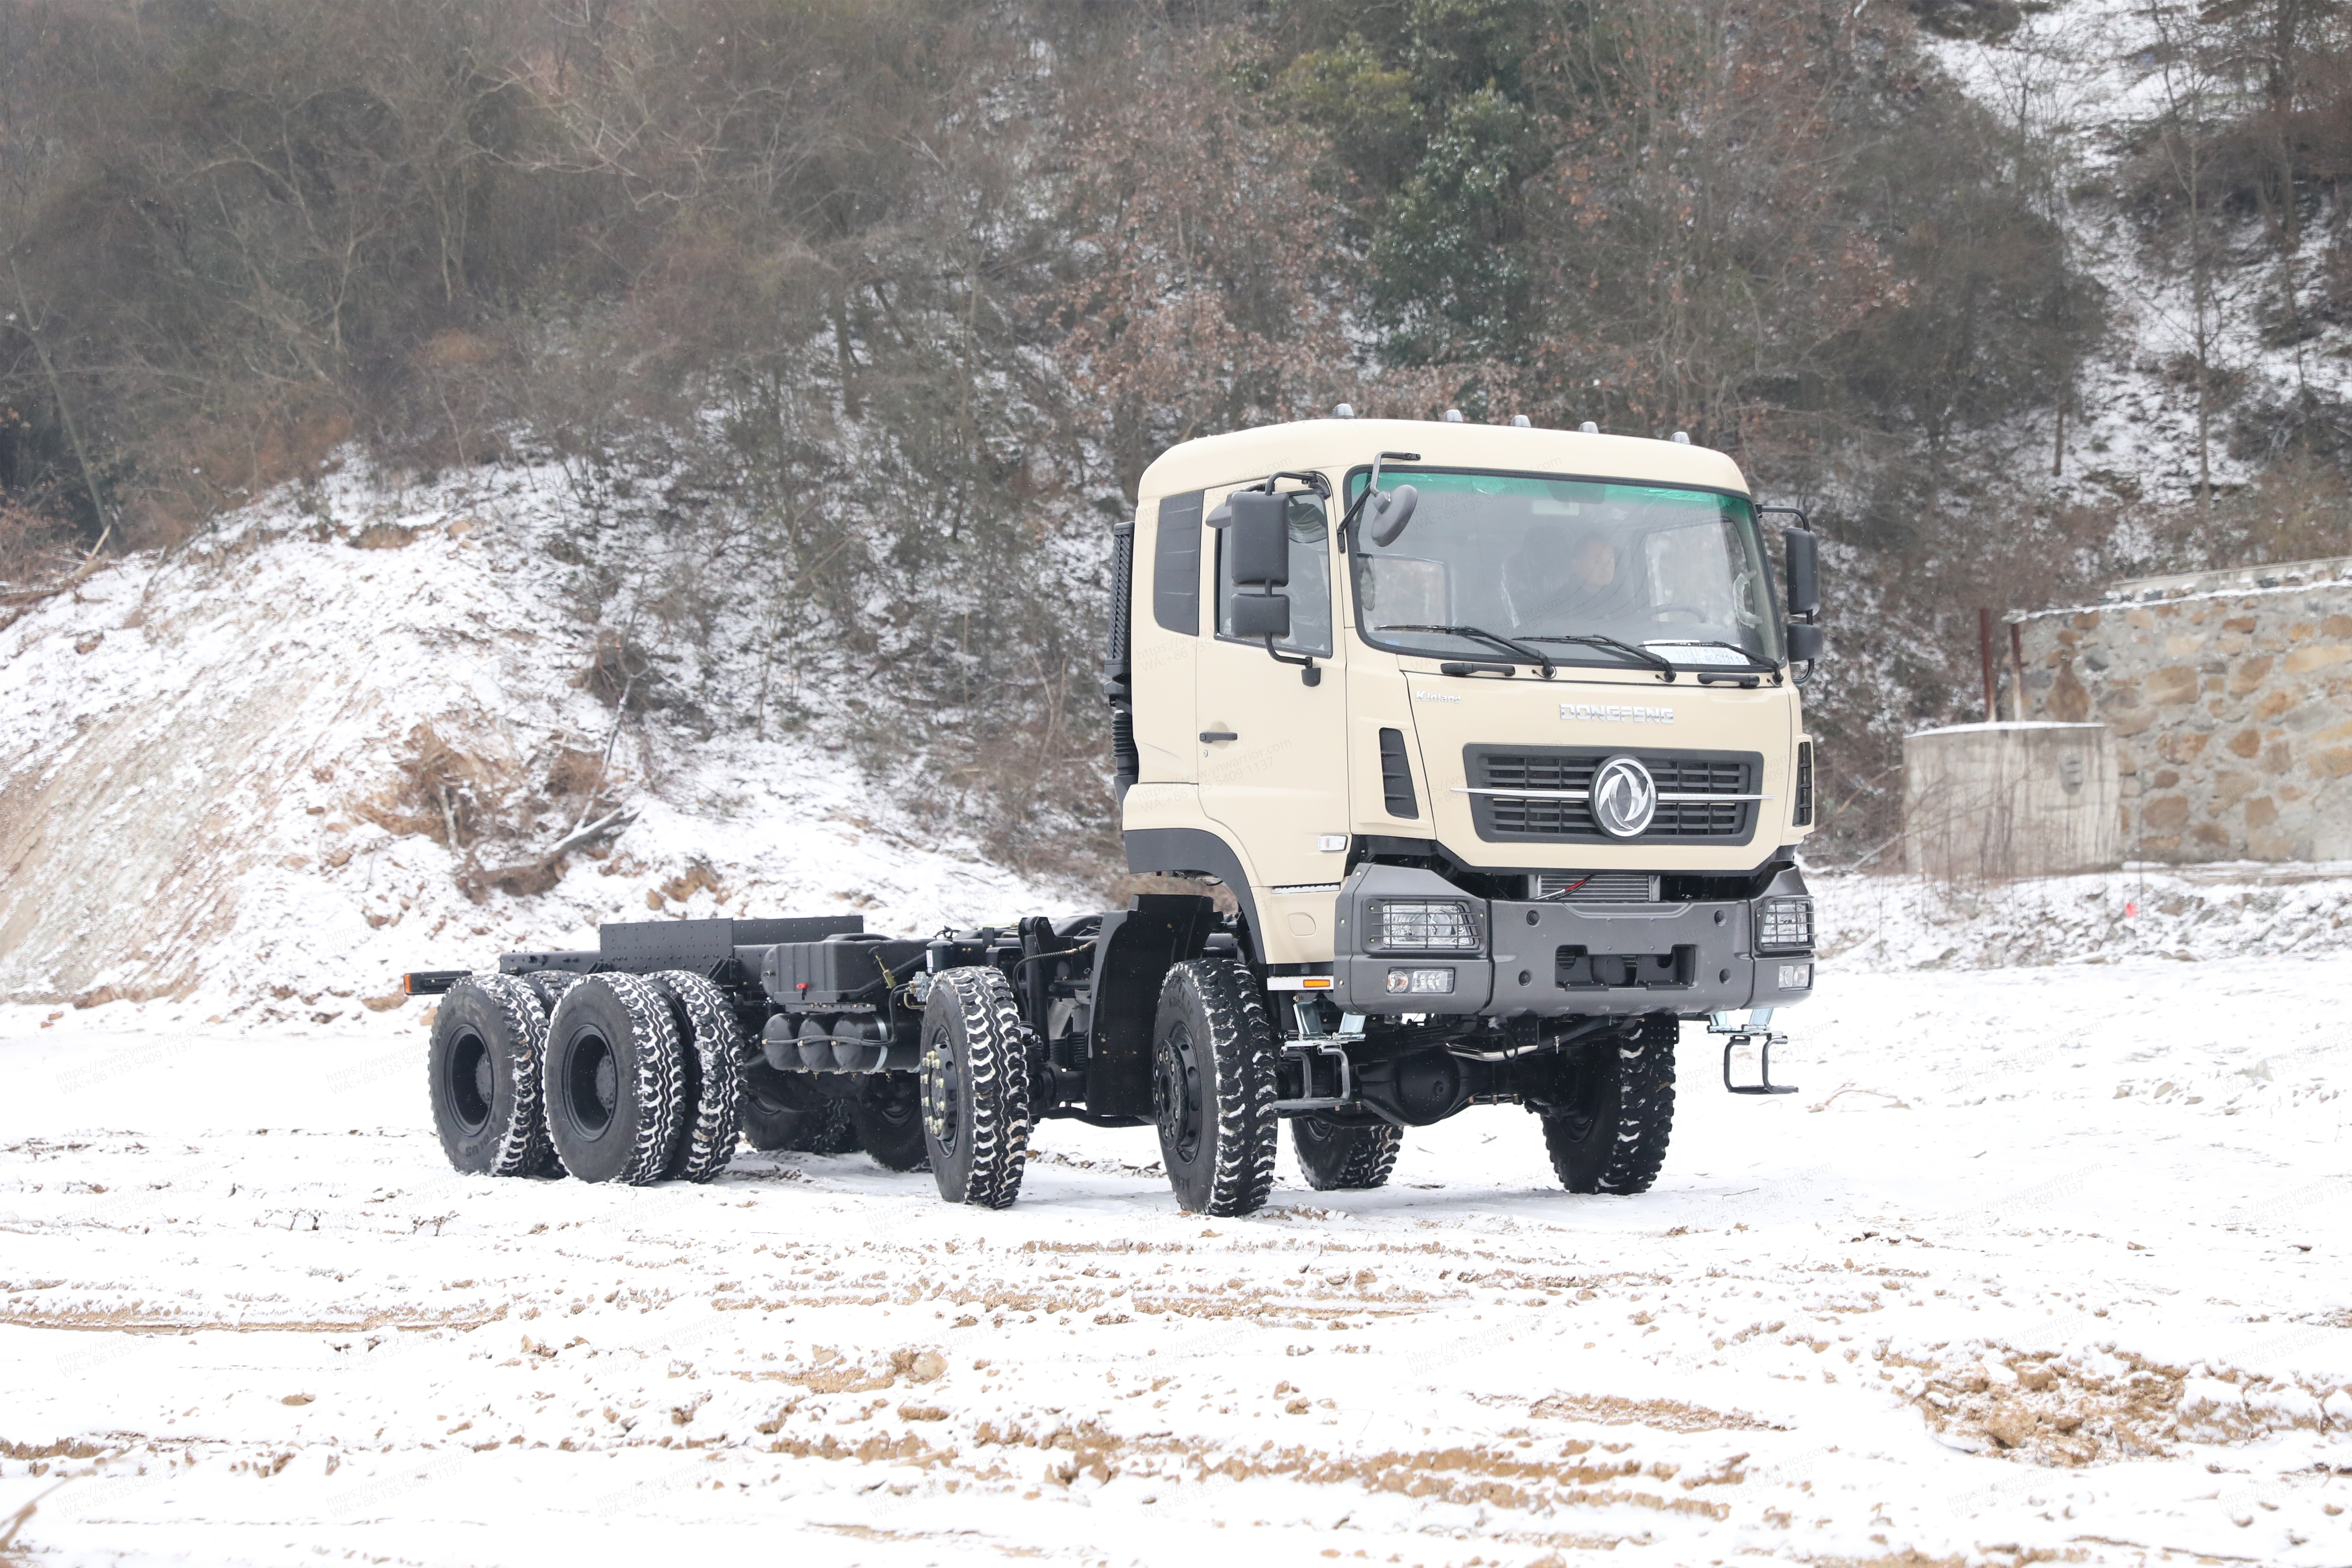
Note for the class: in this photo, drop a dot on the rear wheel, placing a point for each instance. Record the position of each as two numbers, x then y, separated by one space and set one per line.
1610 1135
787 1113
713 1042
1212 1087
1338 1158
549 985
888 1114
484 1058
617 1095
975 1088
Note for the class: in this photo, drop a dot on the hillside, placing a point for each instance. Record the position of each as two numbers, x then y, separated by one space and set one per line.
321 746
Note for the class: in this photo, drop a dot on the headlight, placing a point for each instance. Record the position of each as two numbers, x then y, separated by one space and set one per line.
1421 982
1784 925
1423 925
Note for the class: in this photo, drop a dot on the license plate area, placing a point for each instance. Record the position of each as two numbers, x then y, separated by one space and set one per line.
1581 969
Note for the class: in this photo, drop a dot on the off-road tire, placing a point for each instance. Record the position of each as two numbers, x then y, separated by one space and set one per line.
714 1042
975 1088
889 1115
1212 1087
785 1112
1613 1138
549 985
1336 1158
484 1059
616 1080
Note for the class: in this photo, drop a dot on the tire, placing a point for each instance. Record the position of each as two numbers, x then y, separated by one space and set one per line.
616 1080
713 1041
787 1113
1212 1087
975 1088
1339 1157
1612 1138
889 1115
489 1041
549 985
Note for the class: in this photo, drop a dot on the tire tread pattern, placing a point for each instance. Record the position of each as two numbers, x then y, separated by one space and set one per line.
716 1038
1345 1159
523 1146
659 1088
996 1102
1242 1053
1642 1111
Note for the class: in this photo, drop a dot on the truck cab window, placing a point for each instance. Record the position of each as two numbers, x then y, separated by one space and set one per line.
1310 580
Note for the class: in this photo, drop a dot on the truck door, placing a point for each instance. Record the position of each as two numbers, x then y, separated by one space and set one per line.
1279 785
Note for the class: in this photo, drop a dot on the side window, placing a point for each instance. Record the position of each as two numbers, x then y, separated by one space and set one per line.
1176 566
1310 579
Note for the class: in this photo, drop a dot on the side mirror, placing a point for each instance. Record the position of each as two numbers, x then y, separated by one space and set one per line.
1257 538
1804 572
1261 616
1804 642
1387 513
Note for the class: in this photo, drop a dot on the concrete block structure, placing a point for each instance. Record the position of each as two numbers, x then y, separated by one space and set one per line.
2230 697
1997 801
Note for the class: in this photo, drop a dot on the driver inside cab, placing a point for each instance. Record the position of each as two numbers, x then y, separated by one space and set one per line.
1558 579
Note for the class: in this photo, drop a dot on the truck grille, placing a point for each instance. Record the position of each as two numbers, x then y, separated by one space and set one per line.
1596 887
1546 817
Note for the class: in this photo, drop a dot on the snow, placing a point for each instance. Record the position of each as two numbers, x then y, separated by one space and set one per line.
201 769
2083 80
2224 911
2041 1262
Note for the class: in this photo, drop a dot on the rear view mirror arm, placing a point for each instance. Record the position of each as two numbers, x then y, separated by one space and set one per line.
1309 673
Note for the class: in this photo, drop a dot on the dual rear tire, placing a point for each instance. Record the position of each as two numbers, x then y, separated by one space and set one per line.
630 1078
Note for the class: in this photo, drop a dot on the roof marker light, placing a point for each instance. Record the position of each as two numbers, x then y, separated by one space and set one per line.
1589 428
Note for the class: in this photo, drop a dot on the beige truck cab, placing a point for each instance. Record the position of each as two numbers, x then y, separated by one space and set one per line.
1472 719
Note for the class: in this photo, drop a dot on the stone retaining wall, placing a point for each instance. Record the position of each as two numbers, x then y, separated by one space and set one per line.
2230 698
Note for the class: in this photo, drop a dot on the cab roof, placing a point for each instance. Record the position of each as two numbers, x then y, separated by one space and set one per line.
1242 457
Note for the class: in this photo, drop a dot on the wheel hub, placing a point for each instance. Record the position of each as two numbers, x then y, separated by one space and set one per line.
470 1083
1176 1090
592 1085
941 1102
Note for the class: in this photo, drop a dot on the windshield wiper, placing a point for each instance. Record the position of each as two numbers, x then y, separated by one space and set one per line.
1533 656
1665 667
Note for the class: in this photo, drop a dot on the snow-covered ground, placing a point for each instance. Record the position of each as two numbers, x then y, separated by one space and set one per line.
2042 1264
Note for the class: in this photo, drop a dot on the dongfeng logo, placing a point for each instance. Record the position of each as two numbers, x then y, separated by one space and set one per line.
1624 797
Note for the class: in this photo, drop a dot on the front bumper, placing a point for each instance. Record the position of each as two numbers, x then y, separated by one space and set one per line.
1553 959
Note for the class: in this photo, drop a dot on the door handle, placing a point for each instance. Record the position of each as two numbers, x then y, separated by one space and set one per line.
1207 735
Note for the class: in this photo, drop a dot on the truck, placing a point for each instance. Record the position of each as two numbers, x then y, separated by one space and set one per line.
1476 756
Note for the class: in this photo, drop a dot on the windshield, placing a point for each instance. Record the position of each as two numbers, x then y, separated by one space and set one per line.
1527 556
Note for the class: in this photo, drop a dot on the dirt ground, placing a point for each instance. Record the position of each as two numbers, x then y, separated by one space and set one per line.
2041 1265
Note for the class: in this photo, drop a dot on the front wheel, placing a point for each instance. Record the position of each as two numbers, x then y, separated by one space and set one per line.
1212 1087
1610 1135
975 1088
1338 1158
